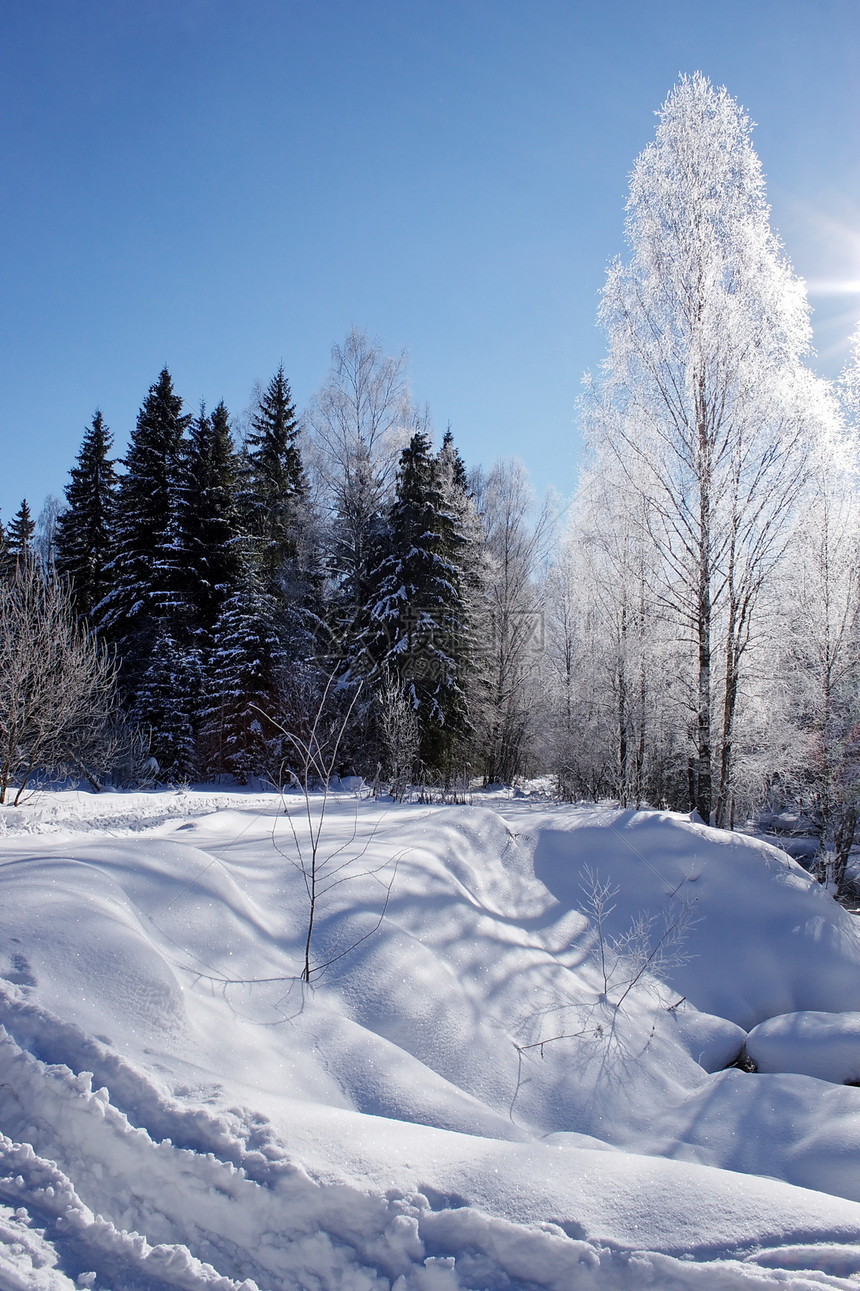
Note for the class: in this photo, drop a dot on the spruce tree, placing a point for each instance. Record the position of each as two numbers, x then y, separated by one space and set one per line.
83 537
208 523
467 549
276 485
166 700
417 630
245 671
357 538
20 534
143 573
452 468
460 523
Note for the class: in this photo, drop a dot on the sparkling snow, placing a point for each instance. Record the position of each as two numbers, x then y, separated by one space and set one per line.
479 1091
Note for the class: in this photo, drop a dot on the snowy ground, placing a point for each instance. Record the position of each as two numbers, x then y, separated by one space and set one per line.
485 1087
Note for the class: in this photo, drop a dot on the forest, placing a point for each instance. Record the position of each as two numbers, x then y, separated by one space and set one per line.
240 591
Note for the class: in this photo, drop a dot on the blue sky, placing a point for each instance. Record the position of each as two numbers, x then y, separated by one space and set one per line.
220 185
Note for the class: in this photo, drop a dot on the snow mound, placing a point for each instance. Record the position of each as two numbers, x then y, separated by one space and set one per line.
714 1043
826 1045
764 938
487 1085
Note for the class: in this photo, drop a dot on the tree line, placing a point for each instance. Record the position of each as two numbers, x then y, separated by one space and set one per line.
688 637
249 584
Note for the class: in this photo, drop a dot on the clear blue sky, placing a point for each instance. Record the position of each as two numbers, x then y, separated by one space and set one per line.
222 184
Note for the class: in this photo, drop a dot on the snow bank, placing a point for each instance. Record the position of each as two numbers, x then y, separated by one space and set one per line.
765 939
826 1045
483 1089
714 1043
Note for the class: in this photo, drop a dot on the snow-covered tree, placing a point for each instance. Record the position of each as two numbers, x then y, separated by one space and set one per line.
45 540
20 534
358 423
84 531
704 398
610 667
812 670
467 548
275 486
144 570
166 699
244 679
208 522
466 541
821 659
57 684
512 639
848 386
417 628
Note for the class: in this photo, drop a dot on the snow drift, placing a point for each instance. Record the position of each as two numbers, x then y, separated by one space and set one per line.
485 1085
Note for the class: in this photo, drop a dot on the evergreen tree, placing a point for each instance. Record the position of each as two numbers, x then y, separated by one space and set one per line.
417 630
143 573
19 535
467 549
208 566
279 519
165 700
452 468
276 484
357 537
84 533
462 527
246 668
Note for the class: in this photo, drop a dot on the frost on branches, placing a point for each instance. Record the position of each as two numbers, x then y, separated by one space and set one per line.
704 411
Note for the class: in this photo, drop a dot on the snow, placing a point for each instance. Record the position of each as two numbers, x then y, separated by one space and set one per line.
714 1043
477 1090
826 1045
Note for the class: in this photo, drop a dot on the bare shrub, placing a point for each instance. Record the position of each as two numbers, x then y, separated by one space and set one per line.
401 734
57 685
325 863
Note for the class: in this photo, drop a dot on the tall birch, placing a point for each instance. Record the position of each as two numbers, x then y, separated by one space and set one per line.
703 399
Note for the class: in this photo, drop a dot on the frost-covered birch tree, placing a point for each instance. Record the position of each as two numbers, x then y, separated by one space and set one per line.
610 668
516 541
823 660
358 423
819 634
703 399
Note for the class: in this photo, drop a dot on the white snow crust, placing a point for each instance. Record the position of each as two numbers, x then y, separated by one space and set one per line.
826 1045
509 1076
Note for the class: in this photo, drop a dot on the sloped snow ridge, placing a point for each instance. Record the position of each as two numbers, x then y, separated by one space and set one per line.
826 1045
512 1068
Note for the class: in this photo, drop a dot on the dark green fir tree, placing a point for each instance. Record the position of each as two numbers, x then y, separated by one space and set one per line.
165 701
417 630
20 534
245 672
141 603
275 487
83 536
208 564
